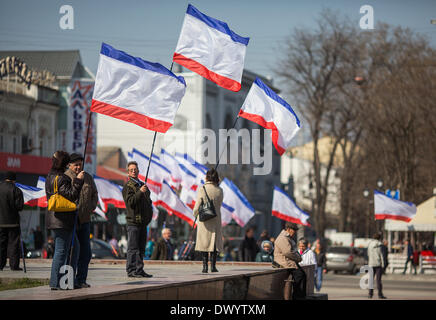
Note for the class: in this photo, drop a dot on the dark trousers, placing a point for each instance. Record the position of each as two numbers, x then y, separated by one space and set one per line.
83 231
407 262
299 283
378 272
10 247
136 239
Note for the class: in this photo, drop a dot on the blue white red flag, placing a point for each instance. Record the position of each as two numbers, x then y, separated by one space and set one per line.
233 198
264 107
137 91
109 193
33 196
208 47
168 199
388 208
283 207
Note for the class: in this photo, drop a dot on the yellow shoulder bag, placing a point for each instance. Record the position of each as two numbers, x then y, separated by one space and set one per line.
58 203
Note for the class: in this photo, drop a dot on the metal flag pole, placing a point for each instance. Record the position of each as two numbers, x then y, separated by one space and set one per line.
227 141
76 217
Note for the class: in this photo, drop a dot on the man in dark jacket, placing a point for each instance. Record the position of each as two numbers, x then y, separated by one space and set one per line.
139 213
87 203
408 249
384 249
11 202
248 248
164 249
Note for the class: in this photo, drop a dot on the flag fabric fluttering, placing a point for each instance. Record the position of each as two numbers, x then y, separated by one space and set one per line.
226 213
33 196
193 166
171 163
137 91
283 207
109 192
156 174
208 47
264 107
233 198
100 213
388 208
168 199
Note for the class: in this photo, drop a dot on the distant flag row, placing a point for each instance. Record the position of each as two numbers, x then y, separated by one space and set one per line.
148 94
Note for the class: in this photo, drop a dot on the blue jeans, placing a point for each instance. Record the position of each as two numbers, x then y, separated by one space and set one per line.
85 254
62 238
318 278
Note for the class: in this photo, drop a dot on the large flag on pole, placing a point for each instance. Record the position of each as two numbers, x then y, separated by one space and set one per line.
109 192
208 47
264 107
33 196
137 91
171 163
168 199
284 208
388 208
234 199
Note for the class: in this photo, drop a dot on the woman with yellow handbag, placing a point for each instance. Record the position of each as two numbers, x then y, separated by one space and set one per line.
62 195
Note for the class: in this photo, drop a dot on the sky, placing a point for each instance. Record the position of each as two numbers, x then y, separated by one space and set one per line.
150 29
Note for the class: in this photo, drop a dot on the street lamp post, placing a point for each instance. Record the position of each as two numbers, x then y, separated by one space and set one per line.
366 195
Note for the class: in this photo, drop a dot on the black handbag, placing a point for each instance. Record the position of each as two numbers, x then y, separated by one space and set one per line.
206 211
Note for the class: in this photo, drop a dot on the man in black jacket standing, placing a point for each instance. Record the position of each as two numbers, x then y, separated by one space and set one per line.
139 213
11 203
248 248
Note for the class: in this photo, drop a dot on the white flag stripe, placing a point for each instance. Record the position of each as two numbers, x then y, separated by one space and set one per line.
233 197
137 91
264 107
284 208
109 192
388 208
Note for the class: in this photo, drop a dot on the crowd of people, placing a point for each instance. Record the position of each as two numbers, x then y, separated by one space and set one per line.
70 244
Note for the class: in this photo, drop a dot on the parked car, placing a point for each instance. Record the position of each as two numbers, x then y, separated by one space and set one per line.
347 259
103 250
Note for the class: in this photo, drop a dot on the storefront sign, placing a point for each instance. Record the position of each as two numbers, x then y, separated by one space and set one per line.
24 163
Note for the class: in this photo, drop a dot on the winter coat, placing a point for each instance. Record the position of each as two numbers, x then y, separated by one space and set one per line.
209 232
11 203
69 190
264 256
160 251
308 257
138 204
375 255
88 197
285 251
248 249
321 260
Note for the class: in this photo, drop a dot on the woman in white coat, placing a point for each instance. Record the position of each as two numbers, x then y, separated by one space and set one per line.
209 234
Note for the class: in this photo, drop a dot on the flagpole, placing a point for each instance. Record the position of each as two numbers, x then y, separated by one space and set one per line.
154 139
227 141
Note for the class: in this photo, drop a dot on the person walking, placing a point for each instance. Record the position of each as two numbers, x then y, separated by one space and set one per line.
287 256
408 249
88 200
321 265
266 253
376 262
209 238
164 249
136 196
248 248
62 223
11 203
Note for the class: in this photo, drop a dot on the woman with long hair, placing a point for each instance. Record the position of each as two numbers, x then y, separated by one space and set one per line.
209 234
62 223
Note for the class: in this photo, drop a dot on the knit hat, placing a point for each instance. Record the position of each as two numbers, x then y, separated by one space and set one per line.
11 176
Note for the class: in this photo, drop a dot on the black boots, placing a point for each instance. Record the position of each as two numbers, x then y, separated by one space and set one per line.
205 258
213 262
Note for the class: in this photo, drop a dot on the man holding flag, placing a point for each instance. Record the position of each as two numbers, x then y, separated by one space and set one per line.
139 213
